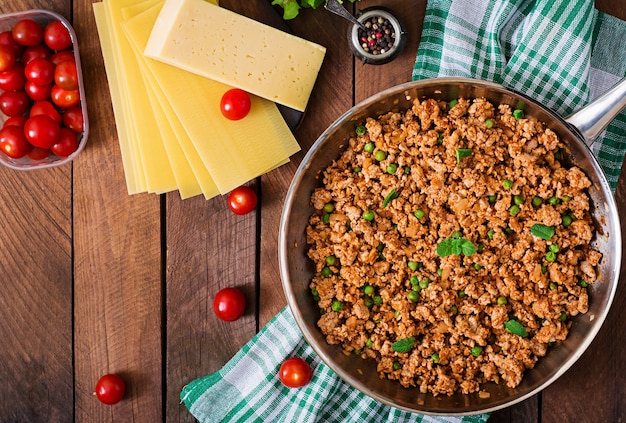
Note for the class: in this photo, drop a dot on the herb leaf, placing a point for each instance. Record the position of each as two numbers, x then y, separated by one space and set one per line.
455 246
403 345
516 328
462 152
392 194
542 231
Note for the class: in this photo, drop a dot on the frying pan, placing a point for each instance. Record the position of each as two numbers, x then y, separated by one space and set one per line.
578 131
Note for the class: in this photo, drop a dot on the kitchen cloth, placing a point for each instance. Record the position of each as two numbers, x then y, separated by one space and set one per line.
561 53
502 41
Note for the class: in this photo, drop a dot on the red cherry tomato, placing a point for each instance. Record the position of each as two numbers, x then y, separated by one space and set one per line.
110 389
27 32
40 51
67 143
14 103
46 108
73 119
38 92
62 56
42 131
242 200
229 304
7 58
13 79
295 372
6 39
64 98
38 153
13 143
15 121
57 36
66 76
235 104
40 71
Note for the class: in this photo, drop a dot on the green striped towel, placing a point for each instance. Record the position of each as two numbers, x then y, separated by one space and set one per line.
561 53
247 388
502 41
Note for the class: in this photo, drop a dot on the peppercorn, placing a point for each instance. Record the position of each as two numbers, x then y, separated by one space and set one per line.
379 37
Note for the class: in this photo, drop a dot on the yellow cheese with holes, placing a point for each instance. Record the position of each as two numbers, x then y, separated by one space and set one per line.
211 41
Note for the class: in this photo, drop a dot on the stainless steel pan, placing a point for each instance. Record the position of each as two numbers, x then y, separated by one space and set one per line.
296 270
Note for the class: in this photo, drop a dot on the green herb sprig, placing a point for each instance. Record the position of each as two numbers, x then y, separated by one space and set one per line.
291 8
403 345
455 245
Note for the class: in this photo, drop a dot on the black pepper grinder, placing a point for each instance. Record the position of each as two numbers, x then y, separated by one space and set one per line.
382 39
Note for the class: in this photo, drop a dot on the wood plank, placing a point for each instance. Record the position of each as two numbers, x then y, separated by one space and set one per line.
117 245
36 286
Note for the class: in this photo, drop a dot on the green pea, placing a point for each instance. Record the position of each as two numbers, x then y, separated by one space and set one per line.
413 296
414 280
514 210
461 293
544 269
566 220
331 260
378 300
491 198
368 290
554 201
550 256
407 170
453 103
537 201
424 283
477 266
380 155
369 147
490 234
501 300
315 294
439 272
368 215
392 168
477 350
360 130
507 184
552 286
396 365
412 265
369 343
563 316
435 358
357 169
368 301
489 123
566 198
357 351
326 272
326 218
336 305
419 213
454 309
554 248
440 139
480 248
518 200
518 114
329 207
583 283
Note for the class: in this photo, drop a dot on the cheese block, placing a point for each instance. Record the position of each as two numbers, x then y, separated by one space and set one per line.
234 152
211 41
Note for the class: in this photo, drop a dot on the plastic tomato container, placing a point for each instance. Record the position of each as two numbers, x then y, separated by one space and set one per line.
43 17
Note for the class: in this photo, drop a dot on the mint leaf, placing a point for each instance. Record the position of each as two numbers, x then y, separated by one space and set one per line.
462 152
542 231
516 328
455 246
392 194
403 345
467 248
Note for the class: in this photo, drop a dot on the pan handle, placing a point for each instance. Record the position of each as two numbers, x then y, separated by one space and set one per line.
592 119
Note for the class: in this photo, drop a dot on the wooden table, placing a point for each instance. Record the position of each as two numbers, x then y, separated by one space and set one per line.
94 280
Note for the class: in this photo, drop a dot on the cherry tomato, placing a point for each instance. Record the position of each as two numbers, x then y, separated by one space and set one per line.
38 153
27 32
13 143
110 389
7 58
73 119
40 51
242 200
67 143
57 36
14 103
6 39
229 304
40 71
38 92
42 131
62 56
15 121
64 98
295 372
235 104
46 108
66 76
13 79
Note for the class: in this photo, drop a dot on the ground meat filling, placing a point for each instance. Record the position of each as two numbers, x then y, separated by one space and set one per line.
451 244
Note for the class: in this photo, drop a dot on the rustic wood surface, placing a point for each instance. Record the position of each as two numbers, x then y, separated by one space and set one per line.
93 280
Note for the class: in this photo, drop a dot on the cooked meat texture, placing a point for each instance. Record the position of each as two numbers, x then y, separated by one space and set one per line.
446 261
